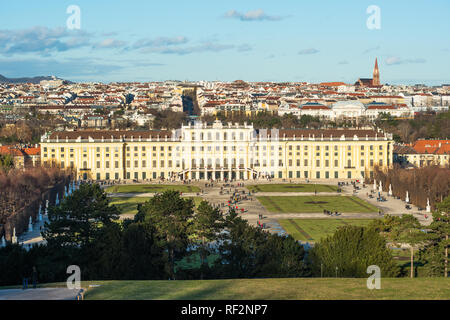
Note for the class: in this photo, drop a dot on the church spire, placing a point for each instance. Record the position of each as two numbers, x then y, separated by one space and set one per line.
376 74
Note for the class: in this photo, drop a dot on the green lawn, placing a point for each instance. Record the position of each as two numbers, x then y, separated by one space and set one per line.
128 205
151 188
314 229
271 289
313 204
292 187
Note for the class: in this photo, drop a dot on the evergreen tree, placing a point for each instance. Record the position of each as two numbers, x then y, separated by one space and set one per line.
208 222
105 254
6 162
248 252
79 217
438 235
14 264
142 257
403 230
171 216
348 253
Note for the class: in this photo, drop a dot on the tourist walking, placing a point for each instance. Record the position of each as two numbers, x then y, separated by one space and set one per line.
24 281
34 277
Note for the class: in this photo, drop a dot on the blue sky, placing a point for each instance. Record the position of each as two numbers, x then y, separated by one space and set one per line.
286 40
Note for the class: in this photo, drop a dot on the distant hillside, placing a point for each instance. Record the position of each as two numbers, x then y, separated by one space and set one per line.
35 80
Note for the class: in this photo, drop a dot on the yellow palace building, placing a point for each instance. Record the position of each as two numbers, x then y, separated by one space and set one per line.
199 151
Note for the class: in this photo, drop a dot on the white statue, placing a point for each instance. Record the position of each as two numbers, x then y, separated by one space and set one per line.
30 225
14 238
390 190
375 185
428 205
407 197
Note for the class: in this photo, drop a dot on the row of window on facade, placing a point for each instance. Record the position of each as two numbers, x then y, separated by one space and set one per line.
209 148
257 154
218 163
201 136
128 175
201 175
233 148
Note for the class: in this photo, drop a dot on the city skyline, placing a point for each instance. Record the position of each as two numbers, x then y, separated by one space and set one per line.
258 41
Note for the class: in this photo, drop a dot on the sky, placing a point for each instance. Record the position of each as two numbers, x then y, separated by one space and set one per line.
285 40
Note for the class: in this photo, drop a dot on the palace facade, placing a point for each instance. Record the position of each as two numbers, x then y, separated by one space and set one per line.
217 151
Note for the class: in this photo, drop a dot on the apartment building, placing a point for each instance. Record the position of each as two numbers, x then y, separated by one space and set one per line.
423 153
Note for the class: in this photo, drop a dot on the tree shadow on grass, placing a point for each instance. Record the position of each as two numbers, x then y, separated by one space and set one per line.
207 290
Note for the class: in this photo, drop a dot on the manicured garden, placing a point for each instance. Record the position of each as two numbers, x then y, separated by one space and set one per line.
314 229
128 205
151 188
314 204
292 187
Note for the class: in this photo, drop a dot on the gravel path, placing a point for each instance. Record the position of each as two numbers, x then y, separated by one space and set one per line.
39 294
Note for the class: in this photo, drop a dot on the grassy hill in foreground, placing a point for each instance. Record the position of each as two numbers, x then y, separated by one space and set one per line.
272 289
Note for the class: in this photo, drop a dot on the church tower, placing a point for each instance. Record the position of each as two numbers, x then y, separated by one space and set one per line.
376 74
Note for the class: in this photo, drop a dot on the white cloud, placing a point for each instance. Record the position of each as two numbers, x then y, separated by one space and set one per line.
41 40
204 47
371 49
252 15
244 47
308 51
109 43
393 60
160 42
